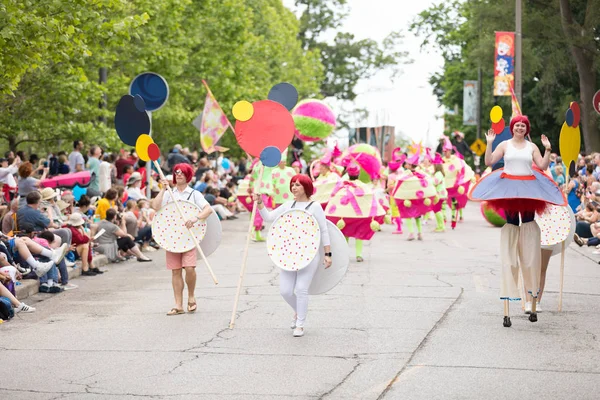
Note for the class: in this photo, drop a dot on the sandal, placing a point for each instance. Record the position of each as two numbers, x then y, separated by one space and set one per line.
176 311
192 307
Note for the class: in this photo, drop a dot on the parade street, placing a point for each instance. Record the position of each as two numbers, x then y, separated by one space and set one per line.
416 320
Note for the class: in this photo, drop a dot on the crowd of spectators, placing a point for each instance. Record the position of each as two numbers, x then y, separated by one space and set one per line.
47 230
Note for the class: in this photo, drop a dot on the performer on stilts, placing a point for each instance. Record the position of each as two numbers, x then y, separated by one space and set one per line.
177 262
521 191
294 285
458 175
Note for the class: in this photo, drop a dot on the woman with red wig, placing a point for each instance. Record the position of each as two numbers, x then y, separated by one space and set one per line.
521 191
177 262
294 285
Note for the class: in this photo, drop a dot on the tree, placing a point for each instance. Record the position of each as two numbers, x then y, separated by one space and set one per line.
242 48
463 31
584 45
346 60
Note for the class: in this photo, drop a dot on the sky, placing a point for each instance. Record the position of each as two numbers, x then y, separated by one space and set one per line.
407 103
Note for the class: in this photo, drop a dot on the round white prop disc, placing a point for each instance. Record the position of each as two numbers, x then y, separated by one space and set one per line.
326 279
555 225
294 240
557 247
169 231
214 233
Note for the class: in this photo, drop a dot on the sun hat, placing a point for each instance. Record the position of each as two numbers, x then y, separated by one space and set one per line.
48 194
75 219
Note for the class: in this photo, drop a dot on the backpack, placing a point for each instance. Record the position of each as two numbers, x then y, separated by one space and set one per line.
6 309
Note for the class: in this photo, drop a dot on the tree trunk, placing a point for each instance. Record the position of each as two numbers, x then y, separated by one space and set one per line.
589 117
583 54
12 143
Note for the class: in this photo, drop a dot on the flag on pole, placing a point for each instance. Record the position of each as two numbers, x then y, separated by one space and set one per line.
212 124
516 108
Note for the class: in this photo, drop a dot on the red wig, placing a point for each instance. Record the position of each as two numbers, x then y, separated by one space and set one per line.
520 118
306 183
187 170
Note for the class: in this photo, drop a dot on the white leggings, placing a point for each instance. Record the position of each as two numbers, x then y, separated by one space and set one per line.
298 282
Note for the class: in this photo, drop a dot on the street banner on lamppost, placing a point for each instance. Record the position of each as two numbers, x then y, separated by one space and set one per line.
470 103
504 69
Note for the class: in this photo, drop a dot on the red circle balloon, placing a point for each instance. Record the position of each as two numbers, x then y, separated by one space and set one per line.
153 152
270 125
499 126
576 114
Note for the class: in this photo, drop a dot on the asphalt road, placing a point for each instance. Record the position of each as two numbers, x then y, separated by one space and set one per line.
416 320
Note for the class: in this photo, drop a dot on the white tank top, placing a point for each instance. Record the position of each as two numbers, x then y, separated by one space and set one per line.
518 161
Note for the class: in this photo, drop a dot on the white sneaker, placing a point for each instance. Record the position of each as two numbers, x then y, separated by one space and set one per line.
43 268
293 326
528 307
538 308
24 308
69 286
69 264
298 331
59 253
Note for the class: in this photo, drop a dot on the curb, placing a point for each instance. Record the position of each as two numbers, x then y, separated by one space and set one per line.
29 287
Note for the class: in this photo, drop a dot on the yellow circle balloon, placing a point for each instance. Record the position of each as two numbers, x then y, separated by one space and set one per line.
141 146
569 143
243 110
496 114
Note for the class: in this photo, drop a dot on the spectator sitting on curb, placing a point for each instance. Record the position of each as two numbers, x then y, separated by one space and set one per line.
116 239
82 243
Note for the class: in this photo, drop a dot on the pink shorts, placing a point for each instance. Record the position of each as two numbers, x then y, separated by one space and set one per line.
181 260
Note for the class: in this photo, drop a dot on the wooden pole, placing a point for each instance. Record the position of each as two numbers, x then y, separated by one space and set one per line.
245 256
212 274
562 276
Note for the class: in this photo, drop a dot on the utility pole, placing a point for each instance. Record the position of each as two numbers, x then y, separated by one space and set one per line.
518 52
479 99
102 79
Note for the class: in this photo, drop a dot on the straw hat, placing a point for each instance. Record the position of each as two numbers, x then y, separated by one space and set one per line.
48 194
75 219
135 177
62 205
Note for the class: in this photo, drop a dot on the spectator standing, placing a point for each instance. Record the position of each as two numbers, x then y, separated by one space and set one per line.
76 160
7 177
94 167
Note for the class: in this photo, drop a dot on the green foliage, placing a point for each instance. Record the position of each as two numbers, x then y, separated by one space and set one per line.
464 33
241 48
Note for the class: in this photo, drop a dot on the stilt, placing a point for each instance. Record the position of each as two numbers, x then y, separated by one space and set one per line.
507 323
533 315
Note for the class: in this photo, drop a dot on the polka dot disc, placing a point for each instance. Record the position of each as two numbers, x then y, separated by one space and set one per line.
169 231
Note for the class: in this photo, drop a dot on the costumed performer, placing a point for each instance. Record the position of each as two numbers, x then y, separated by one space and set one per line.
415 195
281 181
177 262
394 168
520 191
440 186
265 188
354 208
458 175
294 285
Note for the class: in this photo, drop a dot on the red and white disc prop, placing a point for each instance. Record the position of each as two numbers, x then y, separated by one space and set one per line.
168 227
326 279
294 240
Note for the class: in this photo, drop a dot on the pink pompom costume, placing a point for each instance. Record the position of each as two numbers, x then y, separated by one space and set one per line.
415 195
265 188
395 170
355 210
282 175
459 176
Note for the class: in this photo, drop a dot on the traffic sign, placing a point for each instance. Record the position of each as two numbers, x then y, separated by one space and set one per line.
478 147
596 102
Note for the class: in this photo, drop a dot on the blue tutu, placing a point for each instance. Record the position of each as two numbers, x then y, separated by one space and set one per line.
497 187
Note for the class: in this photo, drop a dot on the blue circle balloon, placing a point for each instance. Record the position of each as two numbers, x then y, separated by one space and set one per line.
225 163
570 117
270 156
285 94
130 122
152 87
